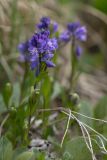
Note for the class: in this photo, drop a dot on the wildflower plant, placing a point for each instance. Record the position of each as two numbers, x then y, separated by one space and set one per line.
75 33
24 106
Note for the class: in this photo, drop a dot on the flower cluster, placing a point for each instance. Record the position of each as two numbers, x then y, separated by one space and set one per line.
76 33
40 47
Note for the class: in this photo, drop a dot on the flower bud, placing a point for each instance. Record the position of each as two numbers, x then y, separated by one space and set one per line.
74 97
13 109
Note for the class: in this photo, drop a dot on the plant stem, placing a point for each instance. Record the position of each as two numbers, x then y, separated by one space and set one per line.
73 64
3 122
23 82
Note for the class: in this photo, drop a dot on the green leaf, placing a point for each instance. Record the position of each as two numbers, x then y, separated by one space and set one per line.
100 112
46 90
56 90
25 156
17 152
39 155
16 94
87 110
2 104
40 77
6 151
46 86
76 149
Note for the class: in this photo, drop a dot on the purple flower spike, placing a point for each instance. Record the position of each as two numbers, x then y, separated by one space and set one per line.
40 47
76 33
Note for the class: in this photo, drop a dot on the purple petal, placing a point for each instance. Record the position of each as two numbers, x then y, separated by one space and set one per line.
52 44
44 23
45 20
73 26
78 51
65 36
81 33
49 63
22 58
55 27
33 55
34 64
47 56
23 47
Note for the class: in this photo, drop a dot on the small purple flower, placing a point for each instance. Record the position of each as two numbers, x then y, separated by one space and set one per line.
76 33
47 56
44 23
65 36
55 27
33 54
76 30
23 49
38 41
78 51
73 26
47 24
81 33
49 63
52 44
45 20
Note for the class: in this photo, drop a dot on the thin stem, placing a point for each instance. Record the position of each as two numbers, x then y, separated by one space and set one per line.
66 128
87 126
61 108
23 82
103 146
29 121
96 119
73 63
95 131
3 122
